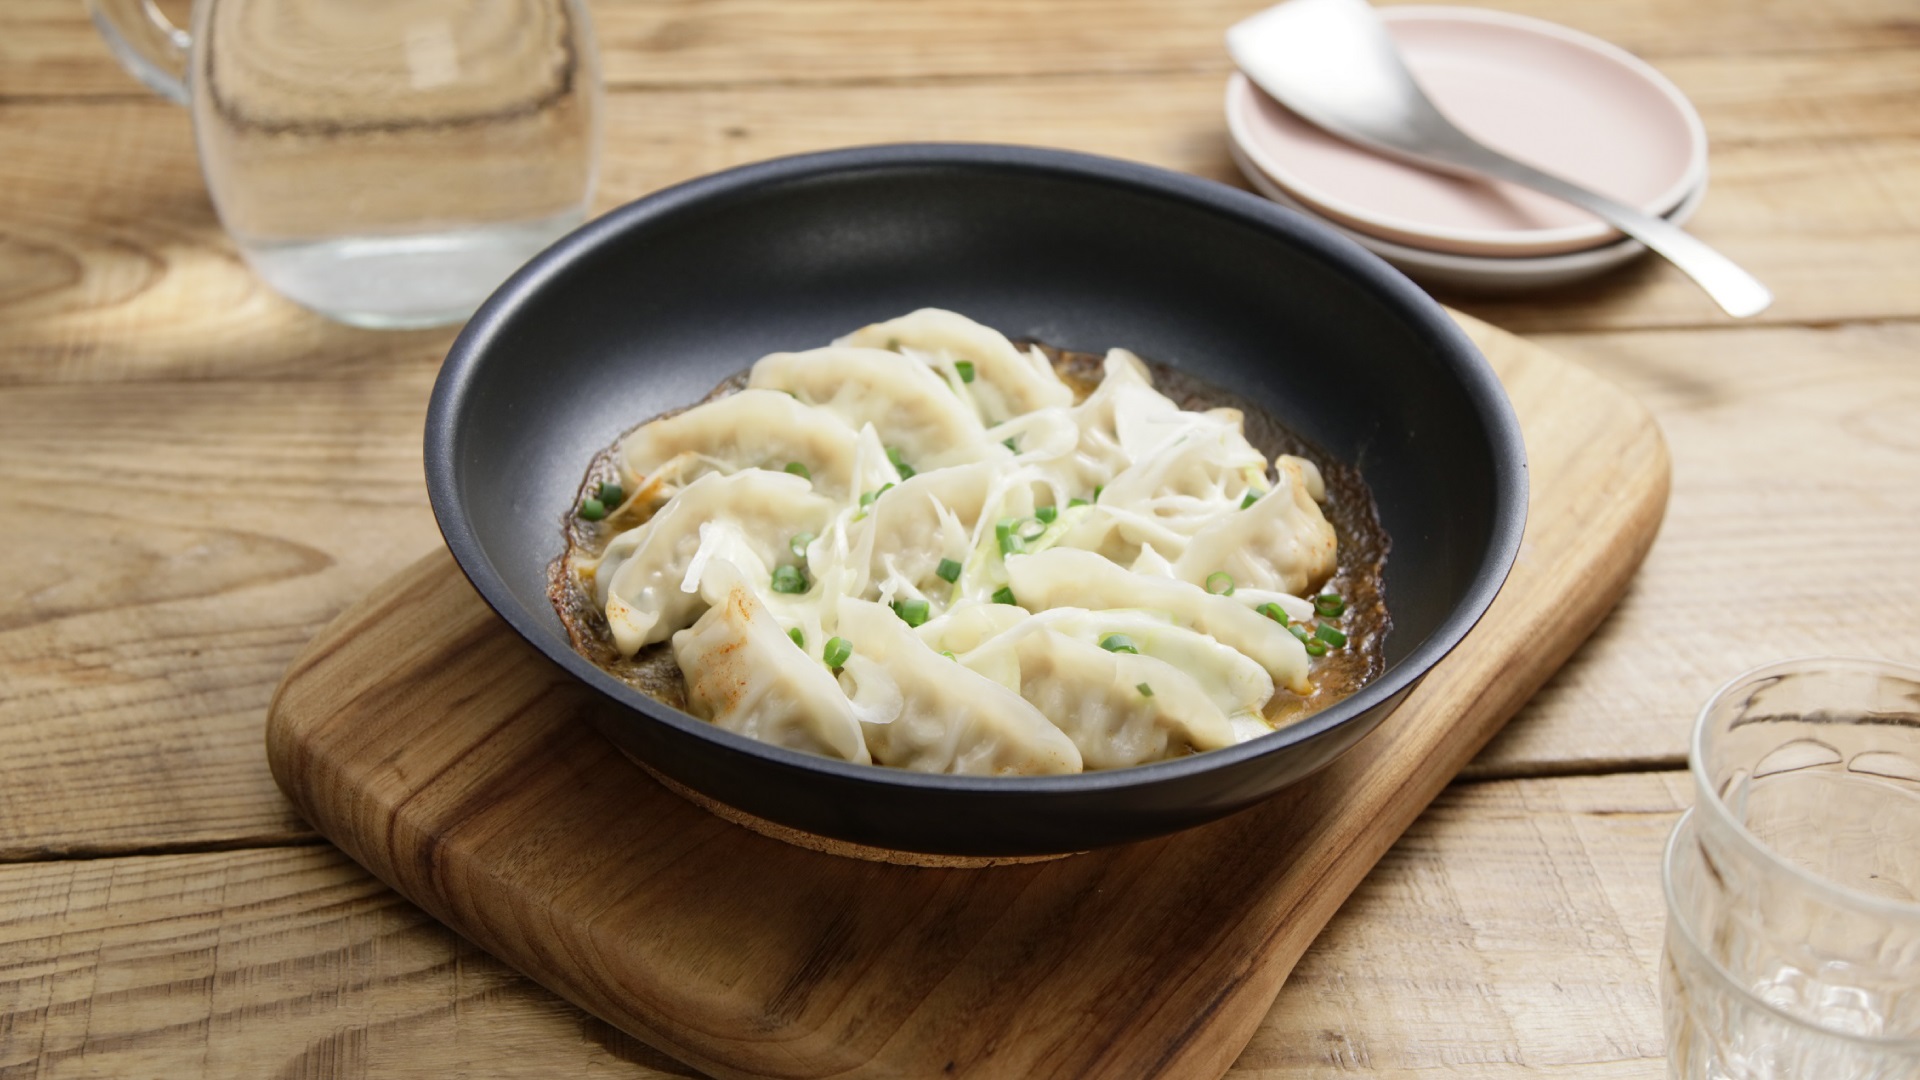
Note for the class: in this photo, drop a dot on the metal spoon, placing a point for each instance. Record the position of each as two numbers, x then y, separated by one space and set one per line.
1332 62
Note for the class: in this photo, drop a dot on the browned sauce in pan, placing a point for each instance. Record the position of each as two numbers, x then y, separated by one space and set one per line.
1349 507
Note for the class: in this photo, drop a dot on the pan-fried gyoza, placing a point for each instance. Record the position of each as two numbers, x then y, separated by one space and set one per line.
925 546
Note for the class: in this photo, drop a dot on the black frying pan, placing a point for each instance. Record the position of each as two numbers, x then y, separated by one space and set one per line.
650 306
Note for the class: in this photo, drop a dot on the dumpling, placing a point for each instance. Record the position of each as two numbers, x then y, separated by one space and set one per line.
947 514
1077 449
1281 543
640 579
914 411
951 719
1199 478
1119 709
1005 382
1297 608
967 625
1230 679
1123 535
750 429
913 529
1064 577
1309 473
744 674
1208 468
1154 564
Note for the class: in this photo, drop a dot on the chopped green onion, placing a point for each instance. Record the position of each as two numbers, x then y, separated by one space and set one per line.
948 653
1119 643
867 497
1008 443
837 652
949 571
1273 611
911 612
1004 595
1145 690
1009 543
1299 633
1047 514
965 368
906 470
1316 648
800 470
1220 583
799 638
1029 528
1097 491
1249 500
1071 503
798 545
592 509
612 495
1329 635
789 579
1330 605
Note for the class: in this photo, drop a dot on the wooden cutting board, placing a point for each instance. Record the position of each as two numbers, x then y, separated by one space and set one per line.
458 765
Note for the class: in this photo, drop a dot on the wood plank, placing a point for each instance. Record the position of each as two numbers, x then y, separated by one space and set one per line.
112 264
461 767
1556 869
1449 962
50 49
1796 489
166 550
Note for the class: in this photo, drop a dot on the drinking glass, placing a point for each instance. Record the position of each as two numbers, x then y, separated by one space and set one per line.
386 163
1793 886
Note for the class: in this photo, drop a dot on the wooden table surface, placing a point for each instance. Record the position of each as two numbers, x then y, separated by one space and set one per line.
195 475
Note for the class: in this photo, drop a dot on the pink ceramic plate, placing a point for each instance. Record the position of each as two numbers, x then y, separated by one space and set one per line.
1488 274
1559 99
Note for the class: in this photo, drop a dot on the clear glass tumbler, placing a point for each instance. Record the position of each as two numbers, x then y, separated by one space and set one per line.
1793 886
386 163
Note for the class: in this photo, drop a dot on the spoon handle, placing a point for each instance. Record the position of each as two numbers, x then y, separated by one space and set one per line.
1737 292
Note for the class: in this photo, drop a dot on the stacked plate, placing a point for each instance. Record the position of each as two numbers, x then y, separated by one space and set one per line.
1562 100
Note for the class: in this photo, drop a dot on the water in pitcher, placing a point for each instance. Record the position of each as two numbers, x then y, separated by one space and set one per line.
405 280
385 164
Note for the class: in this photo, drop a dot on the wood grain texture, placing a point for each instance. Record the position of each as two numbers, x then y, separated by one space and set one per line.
1509 934
246 440
1449 962
52 50
166 551
460 767
1791 532
113 264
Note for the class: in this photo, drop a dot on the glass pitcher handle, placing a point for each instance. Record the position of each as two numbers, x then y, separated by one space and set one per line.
146 44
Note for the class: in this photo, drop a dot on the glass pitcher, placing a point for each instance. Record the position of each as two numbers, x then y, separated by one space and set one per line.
385 163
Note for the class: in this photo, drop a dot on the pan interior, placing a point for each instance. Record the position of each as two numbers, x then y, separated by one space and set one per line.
653 322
